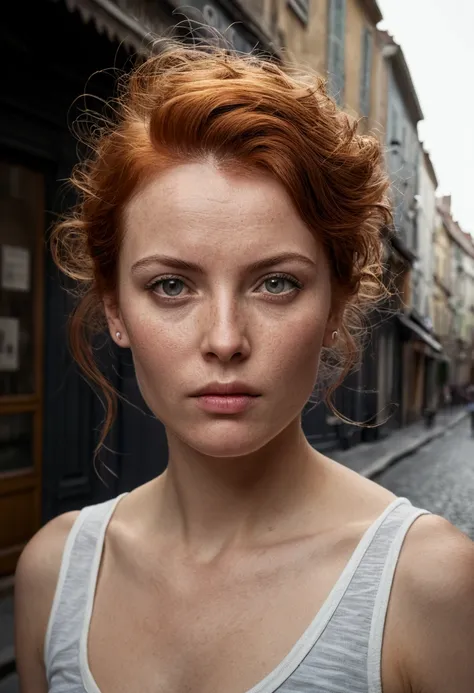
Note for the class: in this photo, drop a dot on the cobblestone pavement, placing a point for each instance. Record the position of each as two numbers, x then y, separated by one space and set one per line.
439 477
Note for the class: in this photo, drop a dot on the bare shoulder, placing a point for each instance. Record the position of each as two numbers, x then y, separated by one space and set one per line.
39 564
434 593
36 578
437 556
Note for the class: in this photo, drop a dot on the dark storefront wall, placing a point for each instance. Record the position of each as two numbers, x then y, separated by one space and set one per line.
372 394
353 400
21 366
388 376
47 71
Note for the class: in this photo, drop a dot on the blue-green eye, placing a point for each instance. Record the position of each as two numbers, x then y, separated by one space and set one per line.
171 287
277 285
280 285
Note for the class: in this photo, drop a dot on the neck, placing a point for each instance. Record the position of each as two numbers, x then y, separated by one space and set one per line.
209 504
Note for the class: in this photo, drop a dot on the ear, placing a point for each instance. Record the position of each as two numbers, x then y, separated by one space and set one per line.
331 333
115 322
333 323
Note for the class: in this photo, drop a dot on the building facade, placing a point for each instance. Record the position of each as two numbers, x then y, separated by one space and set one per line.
338 39
413 187
428 357
442 297
460 263
426 221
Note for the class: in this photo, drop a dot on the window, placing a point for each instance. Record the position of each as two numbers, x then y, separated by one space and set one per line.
300 8
336 53
366 72
394 141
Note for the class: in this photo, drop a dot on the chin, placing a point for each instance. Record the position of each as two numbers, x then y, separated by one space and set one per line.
228 439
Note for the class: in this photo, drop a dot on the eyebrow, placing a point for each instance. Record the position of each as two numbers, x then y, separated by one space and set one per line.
177 263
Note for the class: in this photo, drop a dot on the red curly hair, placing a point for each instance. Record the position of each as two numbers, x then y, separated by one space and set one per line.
185 104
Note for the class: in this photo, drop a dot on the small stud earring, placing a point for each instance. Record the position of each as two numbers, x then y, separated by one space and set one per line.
334 335
118 335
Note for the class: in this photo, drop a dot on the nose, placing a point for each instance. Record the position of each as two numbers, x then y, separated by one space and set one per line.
225 337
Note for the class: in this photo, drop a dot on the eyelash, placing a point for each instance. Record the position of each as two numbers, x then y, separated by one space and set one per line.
151 286
297 286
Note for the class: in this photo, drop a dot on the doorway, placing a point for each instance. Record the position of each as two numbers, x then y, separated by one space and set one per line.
21 357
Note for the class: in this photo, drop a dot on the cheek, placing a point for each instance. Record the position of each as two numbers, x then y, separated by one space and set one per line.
294 347
157 346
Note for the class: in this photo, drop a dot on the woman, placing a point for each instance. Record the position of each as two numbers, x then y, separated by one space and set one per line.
229 230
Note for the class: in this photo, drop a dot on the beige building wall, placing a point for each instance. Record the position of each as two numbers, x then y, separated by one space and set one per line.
443 281
303 44
307 45
379 91
356 22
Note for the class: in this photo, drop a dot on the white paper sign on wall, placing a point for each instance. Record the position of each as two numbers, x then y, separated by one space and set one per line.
15 268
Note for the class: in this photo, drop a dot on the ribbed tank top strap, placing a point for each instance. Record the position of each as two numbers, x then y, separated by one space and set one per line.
74 596
346 654
386 574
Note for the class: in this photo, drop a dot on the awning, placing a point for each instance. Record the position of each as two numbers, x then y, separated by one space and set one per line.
137 24
420 332
117 24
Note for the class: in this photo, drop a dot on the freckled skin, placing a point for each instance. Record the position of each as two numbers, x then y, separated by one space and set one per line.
225 324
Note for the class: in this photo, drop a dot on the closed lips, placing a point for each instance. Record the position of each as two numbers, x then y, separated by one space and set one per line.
226 390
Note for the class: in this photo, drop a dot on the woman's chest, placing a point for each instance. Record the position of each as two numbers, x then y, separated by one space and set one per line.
205 631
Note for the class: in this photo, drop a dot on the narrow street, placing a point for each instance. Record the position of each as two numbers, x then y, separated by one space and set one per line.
439 477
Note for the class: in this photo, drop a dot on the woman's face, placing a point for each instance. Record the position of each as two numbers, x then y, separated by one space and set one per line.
224 298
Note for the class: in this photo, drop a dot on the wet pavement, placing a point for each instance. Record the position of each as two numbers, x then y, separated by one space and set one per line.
370 459
439 477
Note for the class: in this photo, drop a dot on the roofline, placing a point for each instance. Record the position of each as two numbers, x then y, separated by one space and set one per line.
373 10
125 27
430 168
455 231
392 51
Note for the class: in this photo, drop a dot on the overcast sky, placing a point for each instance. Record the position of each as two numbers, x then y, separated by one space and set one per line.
437 38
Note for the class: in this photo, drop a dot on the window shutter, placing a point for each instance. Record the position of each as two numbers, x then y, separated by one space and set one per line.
366 72
301 9
339 17
336 46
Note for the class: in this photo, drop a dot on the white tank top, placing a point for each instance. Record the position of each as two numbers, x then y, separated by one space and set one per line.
340 651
